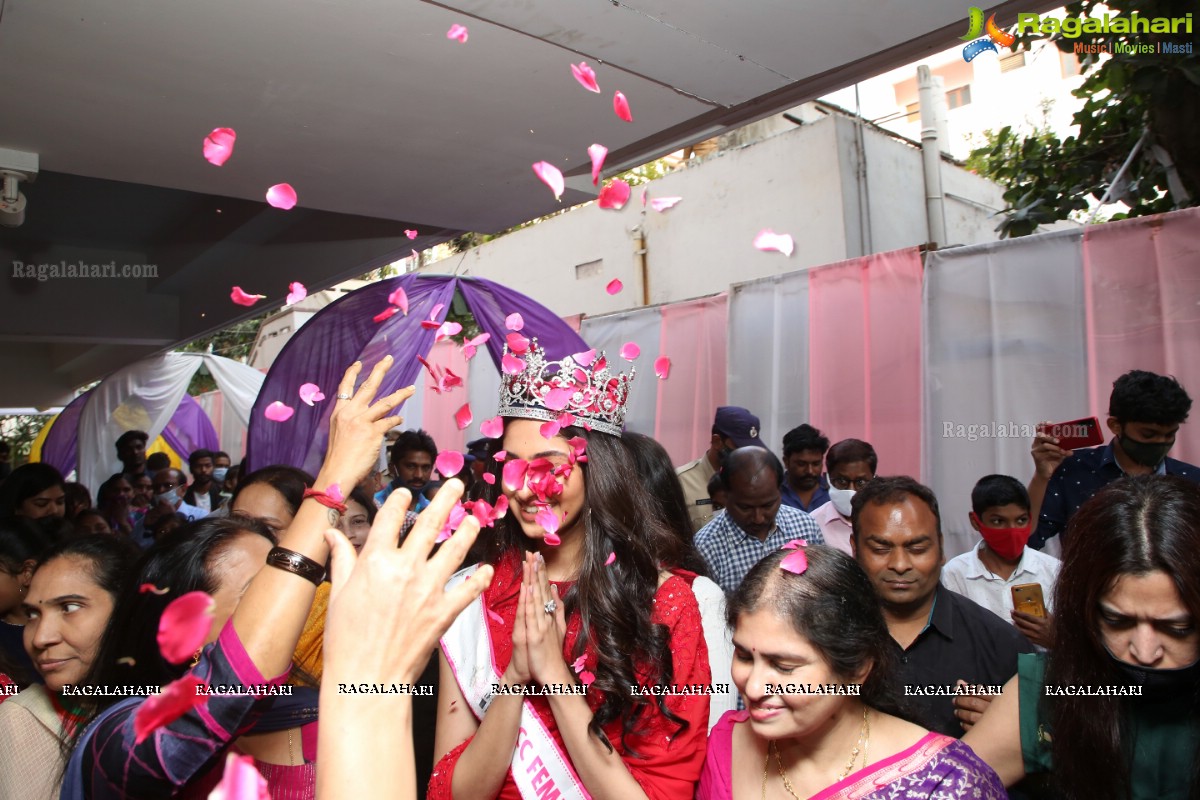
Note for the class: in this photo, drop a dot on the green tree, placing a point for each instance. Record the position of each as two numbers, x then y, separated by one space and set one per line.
1144 101
234 342
20 431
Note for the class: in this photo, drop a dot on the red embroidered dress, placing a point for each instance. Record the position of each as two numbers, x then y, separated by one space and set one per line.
671 760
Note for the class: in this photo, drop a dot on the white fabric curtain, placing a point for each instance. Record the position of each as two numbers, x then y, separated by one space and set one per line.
1005 348
768 353
240 383
643 327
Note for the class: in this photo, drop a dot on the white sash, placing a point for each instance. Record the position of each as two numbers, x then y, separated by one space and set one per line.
540 768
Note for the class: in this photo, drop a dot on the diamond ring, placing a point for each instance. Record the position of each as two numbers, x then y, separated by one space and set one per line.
343 397
550 607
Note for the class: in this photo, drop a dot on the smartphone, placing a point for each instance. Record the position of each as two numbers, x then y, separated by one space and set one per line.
1076 434
1027 598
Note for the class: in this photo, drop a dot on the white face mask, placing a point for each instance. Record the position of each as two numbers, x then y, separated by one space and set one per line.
171 497
841 499
219 474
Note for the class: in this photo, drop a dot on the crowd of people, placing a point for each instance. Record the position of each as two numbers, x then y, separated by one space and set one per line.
570 616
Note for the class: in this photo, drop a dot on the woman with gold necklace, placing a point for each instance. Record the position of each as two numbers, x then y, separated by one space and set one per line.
815 666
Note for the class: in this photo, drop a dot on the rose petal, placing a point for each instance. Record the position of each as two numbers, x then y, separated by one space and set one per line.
621 107
511 365
548 520
587 678
557 398
499 619
552 539
335 493
549 429
243 299
586 76
150 587
644 191
462 417
449 463
630 351
614 195
612 559
176 699
184 625
795 562
614 287
767 239
513 474
447 330
585 358
514 322
517 343
311 393
240 781
500 456
492 428
458 32
385 314
282 195
296 293
551 176
578 447
565 419
399 298
489 479
661 204
278 412
579 664
662 367
597 153
437 309
218 145
410 234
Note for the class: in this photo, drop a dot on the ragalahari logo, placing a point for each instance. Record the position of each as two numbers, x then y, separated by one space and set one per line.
995 36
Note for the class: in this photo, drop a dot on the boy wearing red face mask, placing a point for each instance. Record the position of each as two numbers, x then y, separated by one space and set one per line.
1001 560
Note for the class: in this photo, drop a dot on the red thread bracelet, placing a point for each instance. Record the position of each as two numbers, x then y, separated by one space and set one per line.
325 500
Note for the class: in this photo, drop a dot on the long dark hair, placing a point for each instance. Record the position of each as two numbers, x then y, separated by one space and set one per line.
26 481
288 481
831 604
181 563
654 467
1133 526
614 601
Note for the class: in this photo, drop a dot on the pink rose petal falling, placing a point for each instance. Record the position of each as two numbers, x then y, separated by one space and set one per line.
243 299
614 195
457 514
630 351
517 343
514 322
489 479
462 417
218 145
176 699
796 561
551 176
335 493
499 620
500 456
548 520
296 293
579 664
549 429
557 398
278 412
410 234
387 313
586 76
511 365
282 195
661 204
565 419
399 298
513 474
578 448
597 153
612 559
432 322
468 348
585 358
552 539
614 286
621 107
662 367
447 330
184 625
241 781
587 678
457 32
492 428
644 192
768 239
311 393
449 463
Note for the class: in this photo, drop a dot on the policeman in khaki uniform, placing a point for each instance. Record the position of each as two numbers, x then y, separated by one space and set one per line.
733 427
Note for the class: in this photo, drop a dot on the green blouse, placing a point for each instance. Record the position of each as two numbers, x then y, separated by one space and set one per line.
1165 737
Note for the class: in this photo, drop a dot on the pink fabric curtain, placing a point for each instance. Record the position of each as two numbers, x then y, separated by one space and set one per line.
865 355
1143 307
438 410
693 336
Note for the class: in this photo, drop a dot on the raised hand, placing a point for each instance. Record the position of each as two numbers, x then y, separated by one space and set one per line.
1047 455
357 426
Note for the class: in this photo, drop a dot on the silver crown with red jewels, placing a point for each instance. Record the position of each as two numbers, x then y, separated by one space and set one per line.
595 396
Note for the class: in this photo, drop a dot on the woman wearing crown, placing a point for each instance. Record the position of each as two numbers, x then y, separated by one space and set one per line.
573 676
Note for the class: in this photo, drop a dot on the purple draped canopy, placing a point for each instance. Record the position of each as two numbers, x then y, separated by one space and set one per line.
189 429
345 331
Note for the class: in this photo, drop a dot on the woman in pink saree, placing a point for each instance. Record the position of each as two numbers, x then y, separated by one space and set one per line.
815 666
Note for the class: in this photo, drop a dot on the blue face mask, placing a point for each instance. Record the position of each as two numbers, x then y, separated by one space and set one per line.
170 498
219 474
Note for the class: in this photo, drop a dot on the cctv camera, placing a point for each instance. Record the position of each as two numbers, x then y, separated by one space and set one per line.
15 166
12 214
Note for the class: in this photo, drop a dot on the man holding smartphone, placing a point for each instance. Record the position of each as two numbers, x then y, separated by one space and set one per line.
1145 411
